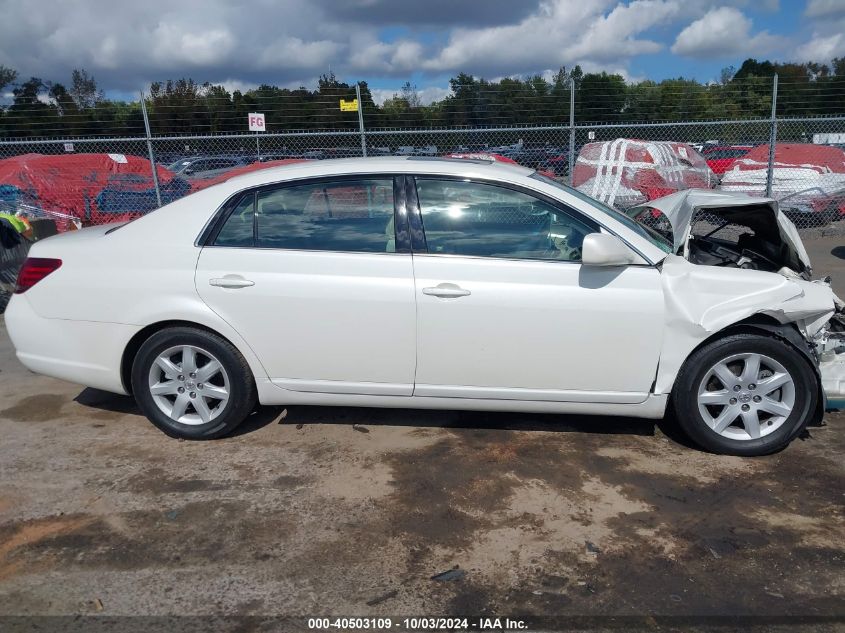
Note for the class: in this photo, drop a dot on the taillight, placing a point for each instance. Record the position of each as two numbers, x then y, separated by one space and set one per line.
34 269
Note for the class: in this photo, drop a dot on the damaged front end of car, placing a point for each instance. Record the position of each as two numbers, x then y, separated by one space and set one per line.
721 241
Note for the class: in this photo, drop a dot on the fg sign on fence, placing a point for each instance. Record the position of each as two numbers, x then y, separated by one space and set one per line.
256 122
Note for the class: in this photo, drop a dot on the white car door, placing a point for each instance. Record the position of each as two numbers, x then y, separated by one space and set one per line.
309 275
506 310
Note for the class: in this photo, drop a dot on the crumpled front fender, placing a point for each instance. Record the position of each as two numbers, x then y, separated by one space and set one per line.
703 300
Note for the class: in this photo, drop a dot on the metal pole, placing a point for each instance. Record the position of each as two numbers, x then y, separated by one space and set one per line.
361 119
150 148
773 138
571 128
257 147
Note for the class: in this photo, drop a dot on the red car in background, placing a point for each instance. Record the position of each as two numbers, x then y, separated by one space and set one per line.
720 157
807 180
626 172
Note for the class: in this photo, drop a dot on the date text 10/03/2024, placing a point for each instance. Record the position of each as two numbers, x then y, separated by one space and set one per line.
417 624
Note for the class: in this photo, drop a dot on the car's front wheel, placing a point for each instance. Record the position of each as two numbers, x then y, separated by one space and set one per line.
745 394
192 384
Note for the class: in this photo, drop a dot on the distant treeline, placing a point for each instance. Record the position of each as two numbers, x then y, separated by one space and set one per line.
45 108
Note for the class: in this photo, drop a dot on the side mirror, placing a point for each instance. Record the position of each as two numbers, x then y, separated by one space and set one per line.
601 249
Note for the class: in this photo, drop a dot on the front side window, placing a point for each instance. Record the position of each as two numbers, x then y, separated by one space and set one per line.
347 215
648 233
482 220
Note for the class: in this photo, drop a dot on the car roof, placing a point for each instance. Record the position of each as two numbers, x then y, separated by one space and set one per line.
377 164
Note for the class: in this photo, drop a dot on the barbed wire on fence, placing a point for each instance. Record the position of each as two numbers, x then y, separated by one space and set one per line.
621 162
186 107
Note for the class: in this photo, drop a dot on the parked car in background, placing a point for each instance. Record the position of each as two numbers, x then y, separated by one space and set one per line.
529 155
802 174
831 205
720 157
626 172
497 158
469 148
342 152
557 165
269 157
462 284
206 166
814 206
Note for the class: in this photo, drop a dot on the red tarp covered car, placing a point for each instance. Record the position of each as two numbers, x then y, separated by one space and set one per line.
625 172
803 174
94 188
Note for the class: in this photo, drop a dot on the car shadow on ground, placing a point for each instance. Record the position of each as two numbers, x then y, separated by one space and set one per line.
363 417
838 251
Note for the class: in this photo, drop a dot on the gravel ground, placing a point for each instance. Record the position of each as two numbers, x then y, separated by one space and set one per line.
315 511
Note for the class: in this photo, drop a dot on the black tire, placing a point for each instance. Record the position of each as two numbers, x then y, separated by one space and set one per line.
685 394
241 387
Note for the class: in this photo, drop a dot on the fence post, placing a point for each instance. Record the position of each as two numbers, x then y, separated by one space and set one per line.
150 147
571 128
361 118
773 137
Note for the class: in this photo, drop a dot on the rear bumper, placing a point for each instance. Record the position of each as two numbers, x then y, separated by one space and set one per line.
85 352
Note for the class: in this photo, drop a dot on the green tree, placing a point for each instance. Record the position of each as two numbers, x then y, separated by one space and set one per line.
83 89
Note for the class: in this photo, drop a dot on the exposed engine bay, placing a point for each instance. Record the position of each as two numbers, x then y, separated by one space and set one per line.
741 237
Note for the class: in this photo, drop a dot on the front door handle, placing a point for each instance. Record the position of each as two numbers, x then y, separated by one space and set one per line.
446 291
231 281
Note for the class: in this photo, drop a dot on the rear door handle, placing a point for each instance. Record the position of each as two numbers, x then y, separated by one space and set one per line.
446 291
231 281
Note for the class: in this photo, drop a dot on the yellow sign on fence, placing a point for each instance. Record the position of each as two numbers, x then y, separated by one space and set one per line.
349 106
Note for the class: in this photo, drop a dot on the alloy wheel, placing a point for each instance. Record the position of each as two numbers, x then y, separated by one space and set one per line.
746 396
189 384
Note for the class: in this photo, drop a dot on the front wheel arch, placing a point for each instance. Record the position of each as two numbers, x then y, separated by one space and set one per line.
788 334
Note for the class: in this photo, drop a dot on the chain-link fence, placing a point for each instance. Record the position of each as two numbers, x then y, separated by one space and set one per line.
798 160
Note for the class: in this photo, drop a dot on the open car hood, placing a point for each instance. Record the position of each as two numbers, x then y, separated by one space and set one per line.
762 215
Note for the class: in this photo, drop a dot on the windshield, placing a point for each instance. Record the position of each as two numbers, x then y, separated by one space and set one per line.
643 231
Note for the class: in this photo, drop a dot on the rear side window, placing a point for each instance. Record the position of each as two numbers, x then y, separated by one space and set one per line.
482 220
347 215
238 229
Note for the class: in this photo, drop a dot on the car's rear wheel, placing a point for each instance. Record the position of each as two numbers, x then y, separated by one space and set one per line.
192 384
745 394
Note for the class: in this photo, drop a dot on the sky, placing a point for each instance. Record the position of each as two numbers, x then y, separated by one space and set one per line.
129 43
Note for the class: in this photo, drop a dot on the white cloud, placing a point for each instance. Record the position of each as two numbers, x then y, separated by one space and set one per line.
176 46
723 32
368 54
125 45
824 8
821 49
561 32
827 41
294 52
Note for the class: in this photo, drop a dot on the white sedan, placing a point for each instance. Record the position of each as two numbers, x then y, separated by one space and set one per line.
432 283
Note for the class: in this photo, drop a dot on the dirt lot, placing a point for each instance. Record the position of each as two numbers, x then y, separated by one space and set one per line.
316 511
